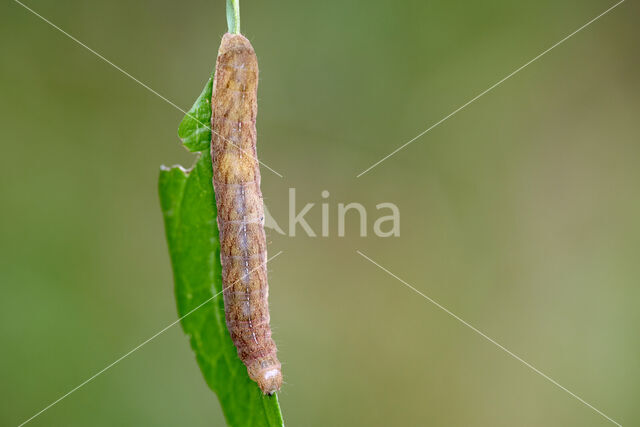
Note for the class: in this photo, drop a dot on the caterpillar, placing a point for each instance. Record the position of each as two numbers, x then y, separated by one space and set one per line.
236 182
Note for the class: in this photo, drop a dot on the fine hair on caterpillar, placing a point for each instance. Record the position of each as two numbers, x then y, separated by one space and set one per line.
236 182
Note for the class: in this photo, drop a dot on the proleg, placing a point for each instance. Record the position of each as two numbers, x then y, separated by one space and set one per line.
236 182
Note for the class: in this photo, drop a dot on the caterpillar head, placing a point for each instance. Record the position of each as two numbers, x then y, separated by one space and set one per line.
267 373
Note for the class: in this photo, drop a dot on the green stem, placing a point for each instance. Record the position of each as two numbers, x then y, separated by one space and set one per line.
233 16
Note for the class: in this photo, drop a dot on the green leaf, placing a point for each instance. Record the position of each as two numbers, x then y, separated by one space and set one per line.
189 209
195 128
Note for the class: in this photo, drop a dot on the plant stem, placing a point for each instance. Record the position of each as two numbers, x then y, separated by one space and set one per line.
233 16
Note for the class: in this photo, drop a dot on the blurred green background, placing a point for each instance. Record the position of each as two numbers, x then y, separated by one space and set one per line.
519 214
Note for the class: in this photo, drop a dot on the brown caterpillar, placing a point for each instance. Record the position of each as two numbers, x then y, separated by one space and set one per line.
236 182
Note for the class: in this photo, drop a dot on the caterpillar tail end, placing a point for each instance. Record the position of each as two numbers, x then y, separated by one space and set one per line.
268 375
